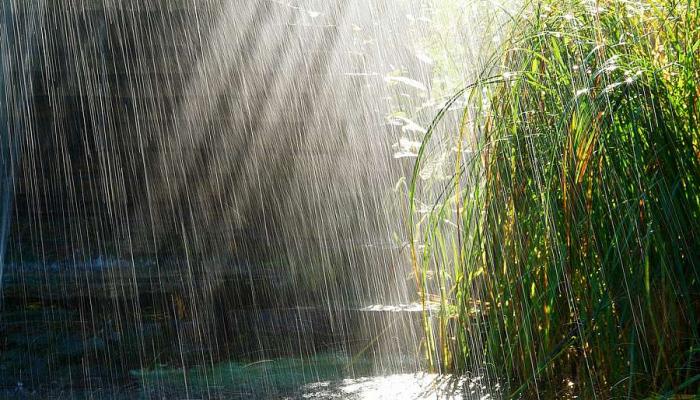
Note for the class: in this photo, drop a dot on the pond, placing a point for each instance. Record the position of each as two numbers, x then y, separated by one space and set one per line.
72 344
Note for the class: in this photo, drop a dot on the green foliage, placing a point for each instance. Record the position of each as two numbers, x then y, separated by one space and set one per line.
566 243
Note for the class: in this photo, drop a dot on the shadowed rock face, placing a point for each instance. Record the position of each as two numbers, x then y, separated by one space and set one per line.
18 48
214 129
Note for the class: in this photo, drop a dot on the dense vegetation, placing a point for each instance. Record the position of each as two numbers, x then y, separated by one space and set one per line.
563 249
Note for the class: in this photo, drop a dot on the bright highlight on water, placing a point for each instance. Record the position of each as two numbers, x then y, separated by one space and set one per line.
385 199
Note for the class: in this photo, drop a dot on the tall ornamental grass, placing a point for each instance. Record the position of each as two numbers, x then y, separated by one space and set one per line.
563 253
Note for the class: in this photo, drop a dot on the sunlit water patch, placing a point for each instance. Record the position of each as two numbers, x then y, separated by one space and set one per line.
401 386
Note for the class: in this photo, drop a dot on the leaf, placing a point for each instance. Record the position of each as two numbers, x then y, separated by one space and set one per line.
407 81
406 148
407 125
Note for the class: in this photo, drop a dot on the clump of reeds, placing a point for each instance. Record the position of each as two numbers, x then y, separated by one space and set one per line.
566 246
